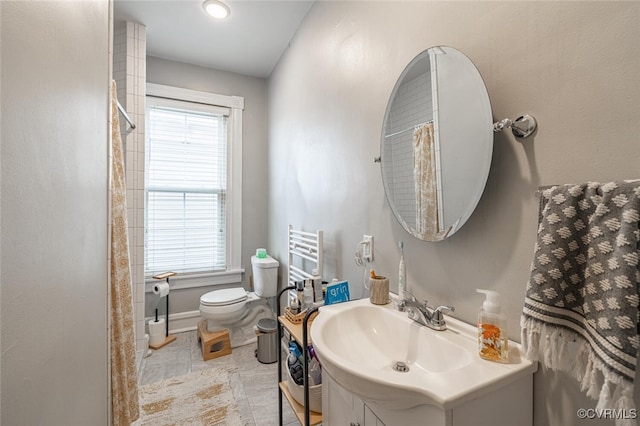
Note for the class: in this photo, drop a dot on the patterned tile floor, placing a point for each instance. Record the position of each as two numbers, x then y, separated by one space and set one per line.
255 385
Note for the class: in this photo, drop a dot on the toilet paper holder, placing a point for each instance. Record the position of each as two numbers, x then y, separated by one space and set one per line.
168 339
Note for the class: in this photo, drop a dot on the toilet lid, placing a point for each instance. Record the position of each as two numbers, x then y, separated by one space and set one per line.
225 296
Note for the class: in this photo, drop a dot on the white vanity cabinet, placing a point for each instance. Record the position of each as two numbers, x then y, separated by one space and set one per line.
508 405
409 374
340 407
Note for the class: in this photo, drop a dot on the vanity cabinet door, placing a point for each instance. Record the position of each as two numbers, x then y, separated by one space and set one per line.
337 404
510 405
340 407
358 412
370 419
363 415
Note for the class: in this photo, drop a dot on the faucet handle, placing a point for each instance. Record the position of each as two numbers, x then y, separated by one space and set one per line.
402 305
437 313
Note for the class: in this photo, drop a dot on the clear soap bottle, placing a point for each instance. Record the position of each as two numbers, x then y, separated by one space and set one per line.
308 294
493 342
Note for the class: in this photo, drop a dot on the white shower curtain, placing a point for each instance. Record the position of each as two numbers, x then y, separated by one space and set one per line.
124 383
424 173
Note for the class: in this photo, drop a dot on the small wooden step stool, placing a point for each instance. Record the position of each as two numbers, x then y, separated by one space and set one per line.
214 344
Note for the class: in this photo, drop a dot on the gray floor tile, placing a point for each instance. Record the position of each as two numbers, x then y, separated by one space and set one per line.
255 385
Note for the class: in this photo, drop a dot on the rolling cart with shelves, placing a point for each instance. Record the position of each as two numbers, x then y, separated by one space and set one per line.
305 259
300 333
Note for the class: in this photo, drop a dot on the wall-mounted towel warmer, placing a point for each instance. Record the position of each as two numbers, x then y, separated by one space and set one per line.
305 255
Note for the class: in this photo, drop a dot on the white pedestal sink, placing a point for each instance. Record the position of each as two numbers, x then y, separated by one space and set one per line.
360 345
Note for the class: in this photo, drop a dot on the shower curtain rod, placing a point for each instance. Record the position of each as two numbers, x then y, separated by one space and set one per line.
125 115
410 128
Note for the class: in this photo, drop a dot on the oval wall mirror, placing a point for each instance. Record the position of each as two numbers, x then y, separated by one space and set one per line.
437 142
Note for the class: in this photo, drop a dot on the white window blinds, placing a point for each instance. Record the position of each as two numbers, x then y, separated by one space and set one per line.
186 187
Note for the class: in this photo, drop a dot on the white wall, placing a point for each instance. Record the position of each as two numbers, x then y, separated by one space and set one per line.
573 65
54 175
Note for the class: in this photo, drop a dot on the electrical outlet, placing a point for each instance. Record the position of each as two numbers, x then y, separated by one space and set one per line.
367 248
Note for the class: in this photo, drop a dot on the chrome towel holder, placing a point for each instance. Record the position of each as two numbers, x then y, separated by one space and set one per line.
521 127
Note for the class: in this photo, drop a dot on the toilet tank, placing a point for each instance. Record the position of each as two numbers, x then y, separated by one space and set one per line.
265 276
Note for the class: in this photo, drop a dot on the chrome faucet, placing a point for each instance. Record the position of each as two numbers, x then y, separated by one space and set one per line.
422 314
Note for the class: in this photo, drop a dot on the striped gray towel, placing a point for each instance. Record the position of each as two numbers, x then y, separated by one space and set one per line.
584 288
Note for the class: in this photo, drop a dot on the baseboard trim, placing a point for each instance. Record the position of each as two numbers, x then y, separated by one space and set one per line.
182 321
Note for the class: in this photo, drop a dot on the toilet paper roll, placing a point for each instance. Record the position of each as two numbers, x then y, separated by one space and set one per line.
156 340
156 331
161 289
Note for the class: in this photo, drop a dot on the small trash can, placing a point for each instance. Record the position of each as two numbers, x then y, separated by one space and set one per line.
267 352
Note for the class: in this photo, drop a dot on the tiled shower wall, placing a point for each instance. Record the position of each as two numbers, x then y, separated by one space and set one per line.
411 107
129 71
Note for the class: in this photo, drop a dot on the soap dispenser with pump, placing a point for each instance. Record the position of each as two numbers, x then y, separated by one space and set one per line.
492 329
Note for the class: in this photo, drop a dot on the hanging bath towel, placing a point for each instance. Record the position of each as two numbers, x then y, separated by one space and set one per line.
583 288
424 173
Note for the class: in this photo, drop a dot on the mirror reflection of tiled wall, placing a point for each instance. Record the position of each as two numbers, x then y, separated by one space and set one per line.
412 105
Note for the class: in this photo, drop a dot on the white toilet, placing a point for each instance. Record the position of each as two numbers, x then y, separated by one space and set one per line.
239 310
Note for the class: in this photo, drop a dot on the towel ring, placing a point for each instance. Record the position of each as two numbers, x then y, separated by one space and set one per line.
522 127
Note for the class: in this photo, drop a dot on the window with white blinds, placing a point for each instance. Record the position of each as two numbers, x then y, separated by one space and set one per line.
186 187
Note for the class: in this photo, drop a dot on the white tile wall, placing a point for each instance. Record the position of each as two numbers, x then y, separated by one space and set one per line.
129 71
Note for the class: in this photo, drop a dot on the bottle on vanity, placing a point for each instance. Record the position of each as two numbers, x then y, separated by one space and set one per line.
307 294
492 329
317 286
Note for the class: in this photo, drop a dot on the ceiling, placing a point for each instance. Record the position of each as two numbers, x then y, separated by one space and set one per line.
250 41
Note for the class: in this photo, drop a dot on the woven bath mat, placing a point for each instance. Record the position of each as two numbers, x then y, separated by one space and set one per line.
200 398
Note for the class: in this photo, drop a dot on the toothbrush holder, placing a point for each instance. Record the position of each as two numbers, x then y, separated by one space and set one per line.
379 290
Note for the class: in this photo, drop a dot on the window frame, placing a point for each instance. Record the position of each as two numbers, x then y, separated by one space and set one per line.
235 104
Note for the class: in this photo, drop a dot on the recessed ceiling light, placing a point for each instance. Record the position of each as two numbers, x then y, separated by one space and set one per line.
216 8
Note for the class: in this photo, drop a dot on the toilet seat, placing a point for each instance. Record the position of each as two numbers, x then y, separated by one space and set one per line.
224 297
